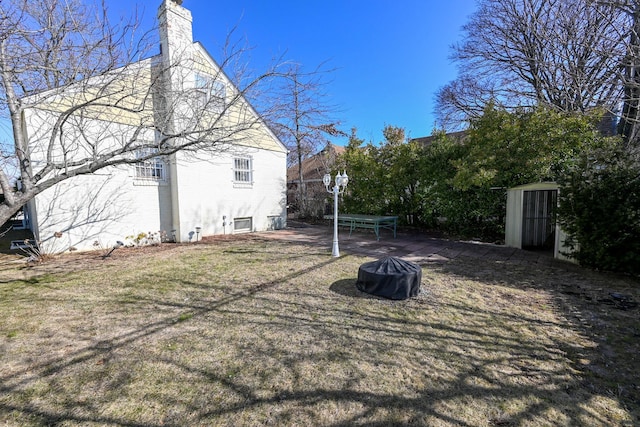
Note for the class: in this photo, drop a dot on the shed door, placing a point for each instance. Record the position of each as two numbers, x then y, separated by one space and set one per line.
538 225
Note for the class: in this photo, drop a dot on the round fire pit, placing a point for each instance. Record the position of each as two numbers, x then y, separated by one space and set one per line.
390 277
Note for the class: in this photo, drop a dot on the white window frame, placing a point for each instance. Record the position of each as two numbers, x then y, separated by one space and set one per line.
243 171
153 169
210 93
243 220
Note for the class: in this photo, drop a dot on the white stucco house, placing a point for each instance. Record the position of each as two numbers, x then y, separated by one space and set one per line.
236 185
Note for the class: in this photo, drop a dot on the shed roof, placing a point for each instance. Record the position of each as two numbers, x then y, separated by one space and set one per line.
536 186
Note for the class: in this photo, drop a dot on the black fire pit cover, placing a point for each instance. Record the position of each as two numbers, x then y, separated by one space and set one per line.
390 277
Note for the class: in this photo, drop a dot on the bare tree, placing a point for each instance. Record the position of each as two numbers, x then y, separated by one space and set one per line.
65 67
306 120
560 53
629 123
462 99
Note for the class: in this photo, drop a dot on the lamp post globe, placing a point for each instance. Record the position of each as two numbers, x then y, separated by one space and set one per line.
326 179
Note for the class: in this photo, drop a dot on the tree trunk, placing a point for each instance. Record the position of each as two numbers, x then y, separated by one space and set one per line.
628 127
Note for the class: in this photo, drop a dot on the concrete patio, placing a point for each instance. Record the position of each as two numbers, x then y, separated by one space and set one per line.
416 247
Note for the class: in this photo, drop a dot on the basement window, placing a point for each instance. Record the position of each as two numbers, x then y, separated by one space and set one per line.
242 225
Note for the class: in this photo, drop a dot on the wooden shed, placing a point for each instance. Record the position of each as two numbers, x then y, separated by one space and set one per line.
530 221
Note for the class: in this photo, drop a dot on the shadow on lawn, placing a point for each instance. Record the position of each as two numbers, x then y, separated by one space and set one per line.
347 288
586 303
344 354
553 388
15 382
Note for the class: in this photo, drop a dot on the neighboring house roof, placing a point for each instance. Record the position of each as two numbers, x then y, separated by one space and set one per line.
428 140
316 166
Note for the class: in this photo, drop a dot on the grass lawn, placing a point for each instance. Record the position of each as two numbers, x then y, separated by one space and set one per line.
252 332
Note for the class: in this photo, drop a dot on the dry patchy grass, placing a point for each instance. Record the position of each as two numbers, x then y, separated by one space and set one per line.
260 332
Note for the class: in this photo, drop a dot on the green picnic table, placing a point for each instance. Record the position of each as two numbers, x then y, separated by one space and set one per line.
373 222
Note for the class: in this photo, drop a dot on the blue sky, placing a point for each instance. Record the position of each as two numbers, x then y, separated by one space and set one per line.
390 56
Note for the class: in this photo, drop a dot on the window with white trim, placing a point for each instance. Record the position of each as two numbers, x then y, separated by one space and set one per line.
152 168
242 225
242 171
209 93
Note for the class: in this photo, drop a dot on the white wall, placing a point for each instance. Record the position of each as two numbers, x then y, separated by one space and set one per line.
207 193
92 211
97 210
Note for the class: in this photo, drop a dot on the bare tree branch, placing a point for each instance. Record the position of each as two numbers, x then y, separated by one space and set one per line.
305 119
91 102
565 54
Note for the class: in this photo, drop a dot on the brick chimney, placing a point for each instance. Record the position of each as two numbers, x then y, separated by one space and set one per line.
176 33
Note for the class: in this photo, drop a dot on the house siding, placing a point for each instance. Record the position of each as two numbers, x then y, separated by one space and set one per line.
209 198
93 211
96 211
